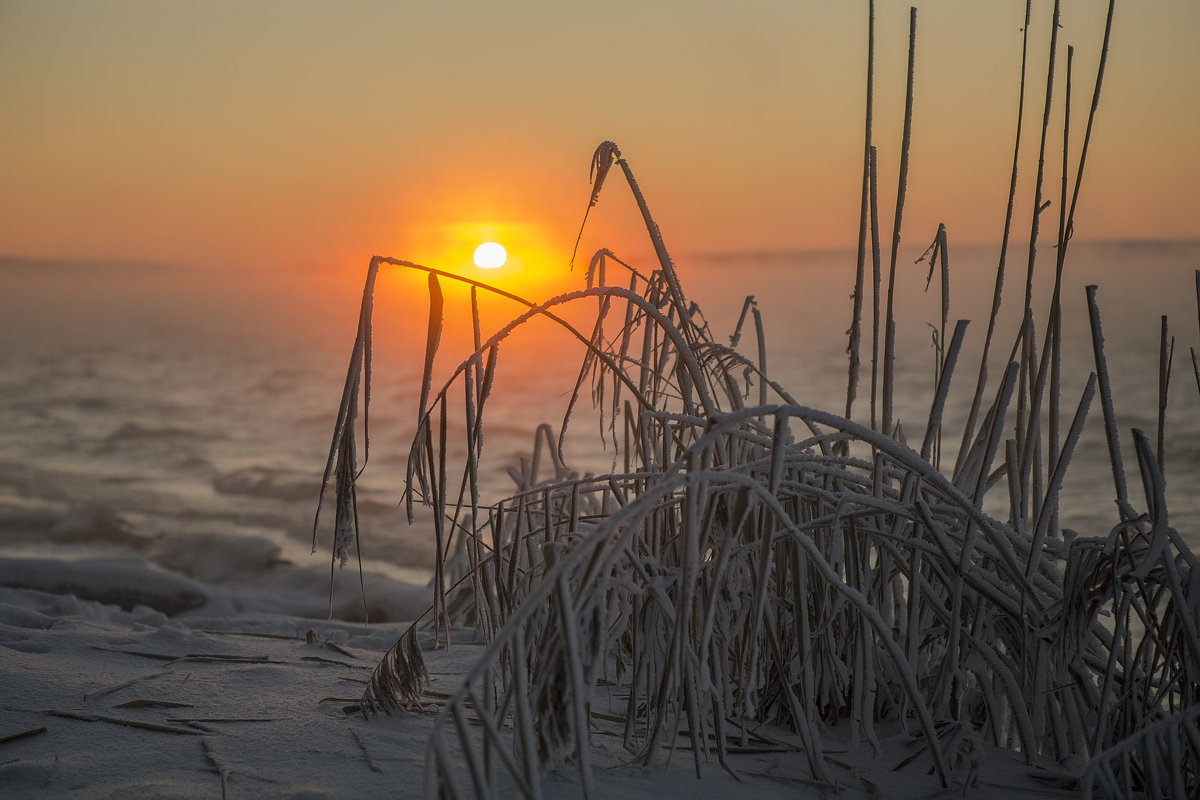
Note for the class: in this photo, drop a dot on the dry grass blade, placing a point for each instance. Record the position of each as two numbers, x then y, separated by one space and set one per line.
13 737
397 681
357 374
433 337
602 161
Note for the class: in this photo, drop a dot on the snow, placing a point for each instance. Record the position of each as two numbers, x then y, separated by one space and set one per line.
101 701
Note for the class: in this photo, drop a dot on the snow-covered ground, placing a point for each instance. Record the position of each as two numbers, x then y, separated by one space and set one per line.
99 701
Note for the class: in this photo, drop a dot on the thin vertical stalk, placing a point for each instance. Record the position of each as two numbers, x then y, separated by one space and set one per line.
1029 399
981 383
1027 417
1054 325
934 428
889 345
1038 206
1087 135
1106 405
1051 360
1058 472
877 279
939 257
1166 353
863 221
762 356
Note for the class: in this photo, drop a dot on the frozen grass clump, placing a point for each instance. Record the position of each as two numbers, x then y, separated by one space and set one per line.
761 562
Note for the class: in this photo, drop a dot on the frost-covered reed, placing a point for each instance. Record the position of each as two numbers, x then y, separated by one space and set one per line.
765 562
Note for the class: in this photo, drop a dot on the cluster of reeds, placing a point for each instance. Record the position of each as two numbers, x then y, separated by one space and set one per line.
755 560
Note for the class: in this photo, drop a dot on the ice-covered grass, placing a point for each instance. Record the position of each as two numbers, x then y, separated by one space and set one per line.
758 564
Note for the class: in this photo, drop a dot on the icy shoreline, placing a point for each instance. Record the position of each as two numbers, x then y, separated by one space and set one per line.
91 553
101 702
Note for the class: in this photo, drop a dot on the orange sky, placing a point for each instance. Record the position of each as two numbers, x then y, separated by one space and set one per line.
313 133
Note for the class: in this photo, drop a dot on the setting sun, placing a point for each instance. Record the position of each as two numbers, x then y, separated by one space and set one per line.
490 255
531 262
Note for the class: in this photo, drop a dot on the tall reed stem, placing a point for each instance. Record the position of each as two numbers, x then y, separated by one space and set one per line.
889 342
863 221
1106 405
1166 353
876 284
981 382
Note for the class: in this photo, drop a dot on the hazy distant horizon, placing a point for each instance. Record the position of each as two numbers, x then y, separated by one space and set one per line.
1016 252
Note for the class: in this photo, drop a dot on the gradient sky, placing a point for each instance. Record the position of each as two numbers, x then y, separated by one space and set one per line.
308 133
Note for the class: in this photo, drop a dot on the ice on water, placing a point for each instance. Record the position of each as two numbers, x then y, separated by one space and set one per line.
162 434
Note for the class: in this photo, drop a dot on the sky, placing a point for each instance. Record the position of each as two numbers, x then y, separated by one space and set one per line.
268 134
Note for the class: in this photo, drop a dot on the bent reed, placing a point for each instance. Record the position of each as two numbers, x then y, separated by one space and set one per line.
771 563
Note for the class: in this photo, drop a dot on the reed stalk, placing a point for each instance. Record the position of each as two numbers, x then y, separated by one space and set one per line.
997 292
876 287
889 342
854 345
1166 353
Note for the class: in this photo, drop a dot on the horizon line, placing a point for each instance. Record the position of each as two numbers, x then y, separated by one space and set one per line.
8 261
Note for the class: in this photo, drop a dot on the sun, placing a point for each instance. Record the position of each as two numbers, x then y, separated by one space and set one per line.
490 255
